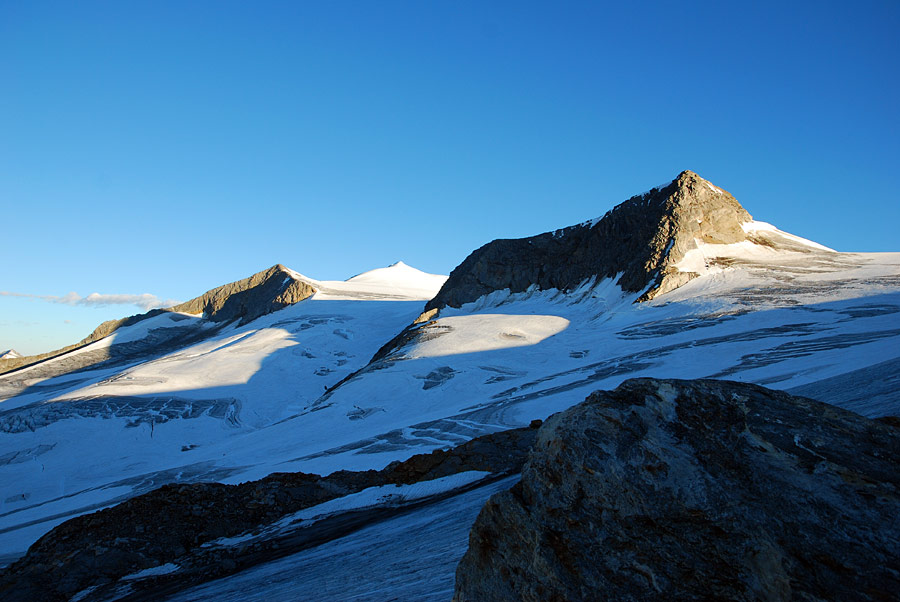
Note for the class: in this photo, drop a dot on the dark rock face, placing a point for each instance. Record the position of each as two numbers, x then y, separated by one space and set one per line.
172 523
641 238
689 490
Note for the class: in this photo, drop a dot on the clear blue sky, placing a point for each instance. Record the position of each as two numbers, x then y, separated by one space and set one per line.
168 148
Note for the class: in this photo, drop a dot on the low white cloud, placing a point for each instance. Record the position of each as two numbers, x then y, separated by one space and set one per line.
145 301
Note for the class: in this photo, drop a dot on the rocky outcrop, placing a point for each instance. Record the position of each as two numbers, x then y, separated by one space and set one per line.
690 490
172 524
250 298
243 300
642 239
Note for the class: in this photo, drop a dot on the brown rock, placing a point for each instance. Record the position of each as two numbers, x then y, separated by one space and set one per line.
641 239
695 490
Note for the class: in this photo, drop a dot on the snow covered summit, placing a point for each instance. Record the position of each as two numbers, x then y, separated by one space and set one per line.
395 282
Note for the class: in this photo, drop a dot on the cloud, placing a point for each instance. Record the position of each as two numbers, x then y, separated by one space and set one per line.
145 301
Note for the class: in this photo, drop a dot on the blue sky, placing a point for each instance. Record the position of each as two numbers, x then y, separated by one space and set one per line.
168 148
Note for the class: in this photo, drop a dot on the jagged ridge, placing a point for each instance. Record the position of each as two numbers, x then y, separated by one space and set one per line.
248 299
641 239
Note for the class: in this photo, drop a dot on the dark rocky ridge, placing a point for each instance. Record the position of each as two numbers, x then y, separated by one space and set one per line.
172 523
641 238
244 300
695 490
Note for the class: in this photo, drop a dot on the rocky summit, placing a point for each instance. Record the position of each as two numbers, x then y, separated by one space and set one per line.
638 241
695 490
250 298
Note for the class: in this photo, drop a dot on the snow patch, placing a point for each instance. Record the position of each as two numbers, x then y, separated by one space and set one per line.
382 495
713 188
386 495
589 223
756 226
83 594
154 571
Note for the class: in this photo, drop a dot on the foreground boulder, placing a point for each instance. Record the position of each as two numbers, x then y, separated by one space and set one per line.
695 490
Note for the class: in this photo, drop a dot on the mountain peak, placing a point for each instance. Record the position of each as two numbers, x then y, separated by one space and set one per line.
241 301
639 242
688 175
400 276
691 211
249 298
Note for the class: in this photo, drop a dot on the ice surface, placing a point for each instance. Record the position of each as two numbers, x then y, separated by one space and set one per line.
486 332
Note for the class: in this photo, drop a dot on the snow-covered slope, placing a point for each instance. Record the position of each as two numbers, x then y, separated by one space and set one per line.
509 358
295 389
81 440
10 354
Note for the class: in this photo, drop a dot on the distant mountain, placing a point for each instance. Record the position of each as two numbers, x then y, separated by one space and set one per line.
10 354
242 301
280 373
248 299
